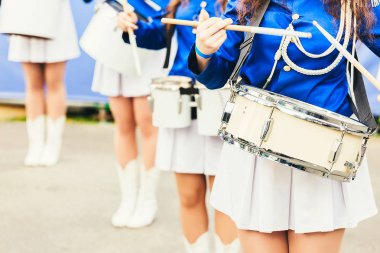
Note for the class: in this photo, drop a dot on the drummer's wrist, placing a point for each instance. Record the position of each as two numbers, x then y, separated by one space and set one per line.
201 54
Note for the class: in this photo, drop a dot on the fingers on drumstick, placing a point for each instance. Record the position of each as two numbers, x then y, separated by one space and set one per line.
203 15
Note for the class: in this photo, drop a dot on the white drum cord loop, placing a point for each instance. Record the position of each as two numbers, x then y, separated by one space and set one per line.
344 27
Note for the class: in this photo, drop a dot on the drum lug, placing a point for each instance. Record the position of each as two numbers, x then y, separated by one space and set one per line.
266 129
361 154
198 101
180 105
151 103
228 111
335 151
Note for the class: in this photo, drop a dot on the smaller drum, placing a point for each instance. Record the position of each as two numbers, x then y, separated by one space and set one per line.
210 106
170 102
294 133
102 40
35 18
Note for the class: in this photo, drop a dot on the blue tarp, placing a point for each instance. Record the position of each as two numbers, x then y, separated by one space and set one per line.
79 71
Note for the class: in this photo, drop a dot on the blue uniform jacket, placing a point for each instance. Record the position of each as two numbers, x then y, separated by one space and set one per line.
329 91
152 35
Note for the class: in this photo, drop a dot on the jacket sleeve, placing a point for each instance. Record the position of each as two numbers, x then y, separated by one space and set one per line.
149 35
222 62
373 41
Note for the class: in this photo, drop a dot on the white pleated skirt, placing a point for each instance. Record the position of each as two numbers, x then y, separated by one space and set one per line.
185 151
265 196
111 83
36 50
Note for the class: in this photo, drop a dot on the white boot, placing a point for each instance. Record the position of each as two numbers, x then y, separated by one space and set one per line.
146 207
52 149
220 247
202 245
129 181
36 137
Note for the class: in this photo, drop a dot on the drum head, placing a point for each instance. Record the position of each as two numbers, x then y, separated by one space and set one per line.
308 112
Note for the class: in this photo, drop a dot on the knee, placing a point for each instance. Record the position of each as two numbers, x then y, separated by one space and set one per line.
35 85
144 122
191 198
54 84
125 126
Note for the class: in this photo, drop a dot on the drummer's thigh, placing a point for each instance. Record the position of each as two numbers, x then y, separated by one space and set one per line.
328 242
256 242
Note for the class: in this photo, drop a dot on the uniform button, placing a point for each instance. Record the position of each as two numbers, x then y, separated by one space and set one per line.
295 16
287 68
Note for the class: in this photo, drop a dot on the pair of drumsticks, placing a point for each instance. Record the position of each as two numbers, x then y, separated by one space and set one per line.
260 30
132 40
282 32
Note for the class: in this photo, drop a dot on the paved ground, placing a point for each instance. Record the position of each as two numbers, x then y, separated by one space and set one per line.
67 208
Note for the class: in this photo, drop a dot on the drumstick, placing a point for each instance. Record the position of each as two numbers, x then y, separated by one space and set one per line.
132 40
242 28
349 56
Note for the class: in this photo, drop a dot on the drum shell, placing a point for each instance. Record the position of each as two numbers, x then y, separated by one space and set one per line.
102 41
35 18
313 143
210 105
294 141
170 108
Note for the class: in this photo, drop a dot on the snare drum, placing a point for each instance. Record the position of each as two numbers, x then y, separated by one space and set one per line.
210 105
170 106
102 40
36 18
294 133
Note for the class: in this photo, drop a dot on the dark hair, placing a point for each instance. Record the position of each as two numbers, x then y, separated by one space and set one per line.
362 10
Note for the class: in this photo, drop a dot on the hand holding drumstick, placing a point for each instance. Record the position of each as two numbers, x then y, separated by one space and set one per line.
127 22
210 37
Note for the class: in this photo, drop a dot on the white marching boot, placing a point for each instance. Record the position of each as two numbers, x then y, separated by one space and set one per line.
220 247
52 149
129 184
146 208
36 137
202 245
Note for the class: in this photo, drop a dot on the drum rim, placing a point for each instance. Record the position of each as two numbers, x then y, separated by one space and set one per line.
171 82
291 108
283 159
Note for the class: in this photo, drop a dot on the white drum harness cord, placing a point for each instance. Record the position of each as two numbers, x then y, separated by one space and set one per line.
344 28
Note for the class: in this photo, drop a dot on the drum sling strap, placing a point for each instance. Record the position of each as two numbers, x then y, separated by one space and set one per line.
362 108
190 91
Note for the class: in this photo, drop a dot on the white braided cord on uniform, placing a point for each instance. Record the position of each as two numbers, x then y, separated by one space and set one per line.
331 48
313 72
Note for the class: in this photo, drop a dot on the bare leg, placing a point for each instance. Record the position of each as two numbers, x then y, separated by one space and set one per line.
256 242
56 91
329 242
143 117
34 78
125 135
192 192
224 227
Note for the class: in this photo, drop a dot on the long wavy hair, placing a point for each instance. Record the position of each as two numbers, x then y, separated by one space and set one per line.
362 11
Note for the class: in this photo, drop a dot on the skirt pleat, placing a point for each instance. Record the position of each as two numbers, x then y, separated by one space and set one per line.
37 50
111 83
265 196
183 150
